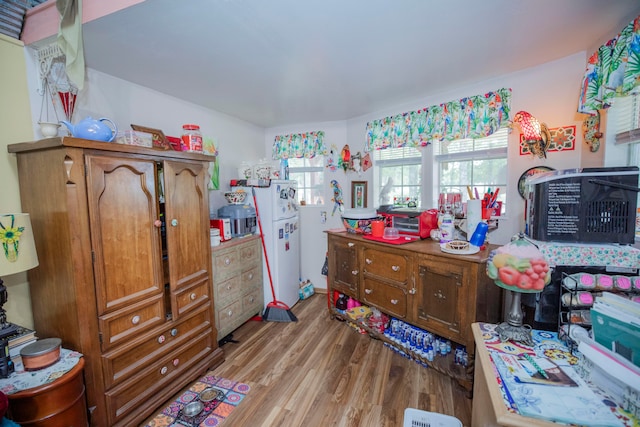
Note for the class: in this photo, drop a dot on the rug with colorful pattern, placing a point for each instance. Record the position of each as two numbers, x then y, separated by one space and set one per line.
232 393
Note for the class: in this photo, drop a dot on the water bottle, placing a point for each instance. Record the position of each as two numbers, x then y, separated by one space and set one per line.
447 226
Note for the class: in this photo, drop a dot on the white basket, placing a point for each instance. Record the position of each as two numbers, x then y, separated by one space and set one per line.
418 418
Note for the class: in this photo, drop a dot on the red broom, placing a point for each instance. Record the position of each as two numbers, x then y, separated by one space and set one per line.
276 311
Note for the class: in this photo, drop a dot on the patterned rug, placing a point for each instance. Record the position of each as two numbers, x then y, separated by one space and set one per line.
229 395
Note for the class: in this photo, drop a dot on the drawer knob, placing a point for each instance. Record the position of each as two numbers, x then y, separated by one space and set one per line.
439 295
161 339
412 291
230 313
193 296
176 362
368 261
174 222
227 261
164 370
354 272
174 332
368 291
394 301
135 319
228 287
351 244
157 223
395 267
250 276
251 299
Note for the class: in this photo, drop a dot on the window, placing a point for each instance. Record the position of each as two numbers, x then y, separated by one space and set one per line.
479 164
399 175
449 167
309 173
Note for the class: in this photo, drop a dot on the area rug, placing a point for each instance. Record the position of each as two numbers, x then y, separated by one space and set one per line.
231 394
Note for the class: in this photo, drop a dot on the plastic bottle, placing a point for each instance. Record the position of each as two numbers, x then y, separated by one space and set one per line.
447 226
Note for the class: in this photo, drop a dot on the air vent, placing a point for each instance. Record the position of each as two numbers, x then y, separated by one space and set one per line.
12 15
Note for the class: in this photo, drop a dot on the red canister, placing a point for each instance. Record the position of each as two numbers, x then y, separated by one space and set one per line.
191 138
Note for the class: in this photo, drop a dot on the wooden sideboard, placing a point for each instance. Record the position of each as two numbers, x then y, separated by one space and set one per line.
418 283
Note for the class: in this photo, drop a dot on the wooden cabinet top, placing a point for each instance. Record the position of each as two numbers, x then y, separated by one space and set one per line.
426 247
68 141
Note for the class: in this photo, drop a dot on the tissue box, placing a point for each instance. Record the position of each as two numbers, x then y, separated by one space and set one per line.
132 137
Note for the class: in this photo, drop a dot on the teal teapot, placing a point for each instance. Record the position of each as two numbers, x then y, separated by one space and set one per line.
94 129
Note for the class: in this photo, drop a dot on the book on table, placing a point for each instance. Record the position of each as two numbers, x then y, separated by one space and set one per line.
616 325
20 336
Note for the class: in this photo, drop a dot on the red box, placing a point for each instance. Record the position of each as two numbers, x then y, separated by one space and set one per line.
176 143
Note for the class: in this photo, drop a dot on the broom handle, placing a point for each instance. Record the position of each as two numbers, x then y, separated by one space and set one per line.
264 248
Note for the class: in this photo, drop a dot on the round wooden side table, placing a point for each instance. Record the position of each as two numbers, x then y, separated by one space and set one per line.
58 403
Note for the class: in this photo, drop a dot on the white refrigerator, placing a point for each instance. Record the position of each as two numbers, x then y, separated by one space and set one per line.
278 213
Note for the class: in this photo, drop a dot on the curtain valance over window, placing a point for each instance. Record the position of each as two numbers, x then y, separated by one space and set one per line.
298 145
473 117
611 71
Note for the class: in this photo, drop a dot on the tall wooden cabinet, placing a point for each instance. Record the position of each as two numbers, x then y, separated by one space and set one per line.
122 235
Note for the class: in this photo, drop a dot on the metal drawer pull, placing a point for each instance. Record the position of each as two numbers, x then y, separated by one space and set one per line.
135 319
439 295
164 370
395 267
350 244
412 291
394 301
174 332
368 291
368 261
193 296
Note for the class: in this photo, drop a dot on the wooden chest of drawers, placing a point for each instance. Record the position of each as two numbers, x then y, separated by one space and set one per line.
237 282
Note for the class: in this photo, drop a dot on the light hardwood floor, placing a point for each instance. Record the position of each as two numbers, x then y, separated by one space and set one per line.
321 372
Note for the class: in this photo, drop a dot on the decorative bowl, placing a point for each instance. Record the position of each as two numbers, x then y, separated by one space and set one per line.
358 221
193 408
210 393
235 197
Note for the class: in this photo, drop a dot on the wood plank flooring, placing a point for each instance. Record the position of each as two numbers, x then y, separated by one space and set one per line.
321 372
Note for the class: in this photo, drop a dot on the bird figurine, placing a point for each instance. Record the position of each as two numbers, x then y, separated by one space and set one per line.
338 203
536 134
345 158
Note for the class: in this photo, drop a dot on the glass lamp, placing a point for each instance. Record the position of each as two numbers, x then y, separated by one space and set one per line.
519 267
536 134
17 254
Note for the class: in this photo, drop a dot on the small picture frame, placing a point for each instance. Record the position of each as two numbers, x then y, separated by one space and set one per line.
158 138
358 194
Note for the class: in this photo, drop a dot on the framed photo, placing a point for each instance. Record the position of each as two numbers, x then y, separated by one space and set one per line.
159 140
359 194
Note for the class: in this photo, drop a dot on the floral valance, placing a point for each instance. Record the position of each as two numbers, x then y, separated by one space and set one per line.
612 71
473 117
298 145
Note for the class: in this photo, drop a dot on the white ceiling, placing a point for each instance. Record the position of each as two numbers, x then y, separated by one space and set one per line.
281 62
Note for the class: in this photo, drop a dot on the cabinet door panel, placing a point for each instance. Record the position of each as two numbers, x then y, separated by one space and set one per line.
343 267
124 240
440 298
187 217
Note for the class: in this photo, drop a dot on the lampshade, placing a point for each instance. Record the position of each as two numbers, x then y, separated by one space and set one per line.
530 126
18 251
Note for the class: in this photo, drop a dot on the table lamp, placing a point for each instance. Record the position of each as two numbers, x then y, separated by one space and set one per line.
18 254
519 267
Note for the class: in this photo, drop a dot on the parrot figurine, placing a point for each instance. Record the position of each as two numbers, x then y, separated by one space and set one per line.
345 158
338 203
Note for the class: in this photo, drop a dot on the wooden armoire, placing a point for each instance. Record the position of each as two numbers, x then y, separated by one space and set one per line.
122 235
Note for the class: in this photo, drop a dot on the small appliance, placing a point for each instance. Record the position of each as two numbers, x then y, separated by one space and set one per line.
224 225
241 217
405 220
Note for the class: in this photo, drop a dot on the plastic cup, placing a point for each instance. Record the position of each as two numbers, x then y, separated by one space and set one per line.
479 236
377 228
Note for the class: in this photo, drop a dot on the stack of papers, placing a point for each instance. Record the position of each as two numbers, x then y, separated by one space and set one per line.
616 325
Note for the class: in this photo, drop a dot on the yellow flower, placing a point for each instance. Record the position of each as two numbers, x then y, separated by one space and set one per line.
10 235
